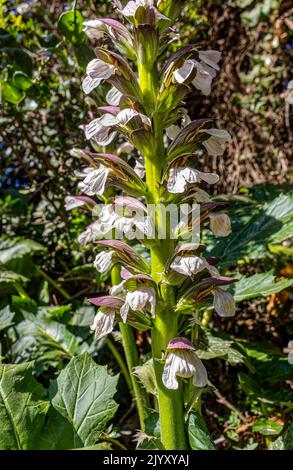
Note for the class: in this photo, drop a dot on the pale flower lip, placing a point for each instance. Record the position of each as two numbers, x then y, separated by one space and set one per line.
192 265
104 323
215 144
114 96
71 202
97 70
95 181
182 361
224 303
100 129
103 261
181 176
205 70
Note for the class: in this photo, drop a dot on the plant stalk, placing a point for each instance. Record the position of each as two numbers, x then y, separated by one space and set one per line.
171 402
132 360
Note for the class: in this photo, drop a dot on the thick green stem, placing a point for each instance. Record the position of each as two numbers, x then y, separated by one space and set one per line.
132 360
171 402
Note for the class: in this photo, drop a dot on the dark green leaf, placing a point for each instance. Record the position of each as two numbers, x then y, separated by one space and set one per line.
70 25
22 407
199 437
83 394
258 285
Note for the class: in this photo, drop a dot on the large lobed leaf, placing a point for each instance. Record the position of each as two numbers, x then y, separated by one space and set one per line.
23 408
262 284
272 224
83 394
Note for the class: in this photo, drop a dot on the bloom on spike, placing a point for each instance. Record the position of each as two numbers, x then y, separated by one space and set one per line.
179 177
182 361
95 181
103 261
104 323
141 299
215 144
192 265
201 73
114 96
96 71
224 303
220 224
71 202
105 319
99 129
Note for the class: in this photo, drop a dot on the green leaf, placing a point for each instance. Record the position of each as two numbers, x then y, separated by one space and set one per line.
11 93
199 437
262 284
284 442
9 281
250 241
213 344
267 427
83 394
22 407
22 81
6 317
83 55
55 336
70 24
11 250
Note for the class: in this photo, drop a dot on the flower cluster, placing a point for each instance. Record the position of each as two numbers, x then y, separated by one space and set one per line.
139 113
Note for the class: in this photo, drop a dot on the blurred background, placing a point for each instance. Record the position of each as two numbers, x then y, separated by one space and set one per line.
42 107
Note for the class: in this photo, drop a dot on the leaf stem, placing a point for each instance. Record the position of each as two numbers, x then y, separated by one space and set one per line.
120 362
53 283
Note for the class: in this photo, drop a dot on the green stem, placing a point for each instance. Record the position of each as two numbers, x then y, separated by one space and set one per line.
132 360
114 442
171 402
120 362
53 283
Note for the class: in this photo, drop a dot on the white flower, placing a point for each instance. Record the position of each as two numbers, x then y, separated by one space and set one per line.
72 202
97 70
173 131
182 361
126 147
142 298
95 181
220 224
130 9
103 261
99 129
114 96
139 167
179 177
94 29
224 303
205 71
92 232
290 354
104 322
191 265
215 144
127 114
